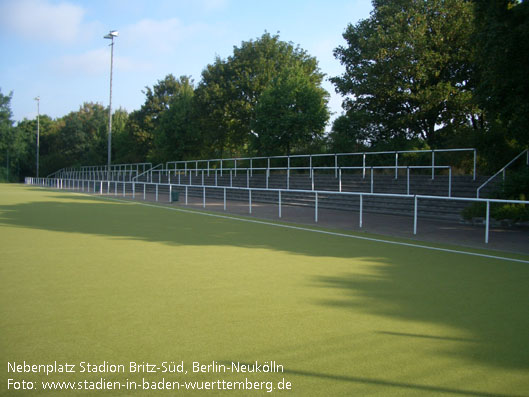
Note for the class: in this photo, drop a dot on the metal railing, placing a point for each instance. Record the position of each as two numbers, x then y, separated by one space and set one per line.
220 163
97 186
202 173
503 170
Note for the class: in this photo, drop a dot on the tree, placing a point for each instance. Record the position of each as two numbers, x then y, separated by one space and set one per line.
227 96
143 123
408 69
82 137
290 113
6 135
176 137
502 41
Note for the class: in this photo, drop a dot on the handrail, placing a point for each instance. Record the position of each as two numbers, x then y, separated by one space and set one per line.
56 172
502 171
147 172
396 153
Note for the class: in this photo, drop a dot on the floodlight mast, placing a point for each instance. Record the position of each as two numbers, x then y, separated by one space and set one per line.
110 36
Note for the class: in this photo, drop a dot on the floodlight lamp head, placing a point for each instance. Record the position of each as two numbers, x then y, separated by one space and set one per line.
112 34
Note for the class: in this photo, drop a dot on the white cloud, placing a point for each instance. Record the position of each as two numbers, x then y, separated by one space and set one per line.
97 62
159 35
42 20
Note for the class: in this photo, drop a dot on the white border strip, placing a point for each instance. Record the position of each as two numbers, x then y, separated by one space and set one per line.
377 240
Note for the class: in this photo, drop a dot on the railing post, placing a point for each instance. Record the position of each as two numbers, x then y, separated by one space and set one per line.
156 196
360 221
340 180
415 215
371 179
408 180
249 201
450 182
247 179
288 172
336 166
487 222
203 197
433 164
396 165
316 207
224 199
170 193
186 194
144 191
363 165
231 179
279 202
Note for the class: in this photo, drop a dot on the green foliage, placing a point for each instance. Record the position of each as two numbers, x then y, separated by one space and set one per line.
290 114
230 90
176 136
502 41
515 187
409 69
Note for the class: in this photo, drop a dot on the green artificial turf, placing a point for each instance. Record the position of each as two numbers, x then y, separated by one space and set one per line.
83 279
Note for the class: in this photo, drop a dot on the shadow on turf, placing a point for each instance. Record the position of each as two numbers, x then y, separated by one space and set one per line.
386 384
484 299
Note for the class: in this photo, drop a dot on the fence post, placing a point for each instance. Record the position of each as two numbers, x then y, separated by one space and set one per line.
415 215
156 192
360 222
250 201
170 193
316 207
224 199
487 222
133 190
336 166
231 179
186 194
279 202
408 180
203 197
144 190
433 164
371 179
340 180
363 165
247 179
396 165
450 182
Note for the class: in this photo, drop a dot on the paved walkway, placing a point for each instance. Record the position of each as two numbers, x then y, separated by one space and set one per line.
515 239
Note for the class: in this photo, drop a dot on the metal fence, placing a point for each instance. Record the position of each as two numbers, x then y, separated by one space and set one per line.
163 192
336 158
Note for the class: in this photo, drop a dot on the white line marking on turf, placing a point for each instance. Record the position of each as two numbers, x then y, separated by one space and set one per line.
377 240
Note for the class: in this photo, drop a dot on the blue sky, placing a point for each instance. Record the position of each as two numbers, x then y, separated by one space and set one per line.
55 49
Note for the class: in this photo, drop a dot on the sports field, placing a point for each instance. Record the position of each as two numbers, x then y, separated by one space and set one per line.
99 284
